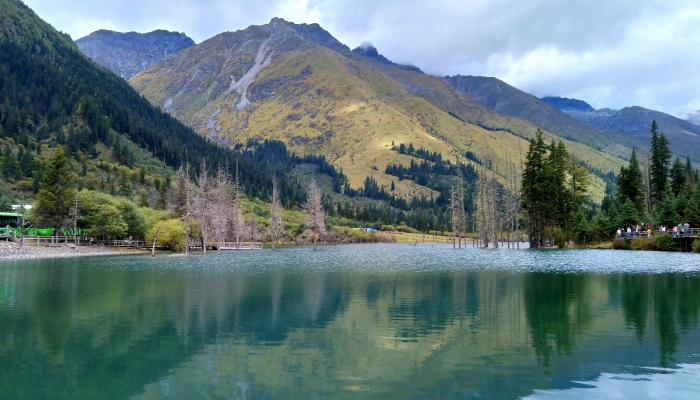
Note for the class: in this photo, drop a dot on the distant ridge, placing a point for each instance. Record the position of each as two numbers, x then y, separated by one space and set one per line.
366 49
566 104
127 54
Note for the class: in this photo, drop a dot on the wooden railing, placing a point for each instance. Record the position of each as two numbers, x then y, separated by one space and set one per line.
127 243
240 246
681 233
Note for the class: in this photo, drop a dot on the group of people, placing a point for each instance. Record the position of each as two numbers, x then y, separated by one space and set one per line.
645 229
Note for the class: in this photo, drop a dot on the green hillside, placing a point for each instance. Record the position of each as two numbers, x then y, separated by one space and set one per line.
52 94
117 143
277 82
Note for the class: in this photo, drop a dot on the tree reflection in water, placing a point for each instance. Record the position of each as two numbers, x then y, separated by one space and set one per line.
73 326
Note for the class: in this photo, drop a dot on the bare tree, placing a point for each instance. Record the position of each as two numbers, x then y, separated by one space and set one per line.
487 208
184 201
314 212
236 213
202 205
455 216
276 221
221 209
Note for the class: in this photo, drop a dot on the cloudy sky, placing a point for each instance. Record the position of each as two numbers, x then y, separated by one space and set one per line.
610 53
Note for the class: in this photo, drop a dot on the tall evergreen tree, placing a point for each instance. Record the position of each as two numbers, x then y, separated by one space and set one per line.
678 177
631 184
659 164
57 192
534 190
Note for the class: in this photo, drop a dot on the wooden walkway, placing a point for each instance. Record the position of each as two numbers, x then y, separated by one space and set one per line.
692 233
241 246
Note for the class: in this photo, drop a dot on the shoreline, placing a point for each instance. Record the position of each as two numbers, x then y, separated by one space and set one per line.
13 251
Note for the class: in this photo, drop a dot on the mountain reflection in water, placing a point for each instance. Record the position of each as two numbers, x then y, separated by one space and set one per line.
385 321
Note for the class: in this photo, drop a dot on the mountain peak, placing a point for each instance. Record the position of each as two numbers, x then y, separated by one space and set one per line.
128 53
367 49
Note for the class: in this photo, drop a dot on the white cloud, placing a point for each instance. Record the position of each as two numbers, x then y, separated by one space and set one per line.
611 54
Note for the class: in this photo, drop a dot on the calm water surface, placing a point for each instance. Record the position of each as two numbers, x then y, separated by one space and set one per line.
353 322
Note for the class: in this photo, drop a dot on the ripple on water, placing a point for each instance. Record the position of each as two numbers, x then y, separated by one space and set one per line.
389 258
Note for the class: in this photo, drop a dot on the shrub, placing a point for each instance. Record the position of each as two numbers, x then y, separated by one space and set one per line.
560 240
406 229
171 234
665 242
642 243
696 246
620 244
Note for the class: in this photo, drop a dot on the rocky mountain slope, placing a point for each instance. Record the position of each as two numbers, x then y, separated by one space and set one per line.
298 84
127 54
368 50
505 99
694 117
635 122
566 104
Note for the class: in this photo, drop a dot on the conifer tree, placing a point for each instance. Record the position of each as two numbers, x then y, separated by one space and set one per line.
535 190
628 214
678 177
631 185
692 210
57 192
659 164
666 211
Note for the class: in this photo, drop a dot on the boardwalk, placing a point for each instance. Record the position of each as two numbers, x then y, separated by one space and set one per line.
241 246
692 233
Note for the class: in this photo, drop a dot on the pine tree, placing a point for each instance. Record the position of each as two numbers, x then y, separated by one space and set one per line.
631 184
535 190
666 211
628 214
678 177
659 164
692 210
57 192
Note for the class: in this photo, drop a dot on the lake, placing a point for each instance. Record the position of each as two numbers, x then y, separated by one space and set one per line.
353 322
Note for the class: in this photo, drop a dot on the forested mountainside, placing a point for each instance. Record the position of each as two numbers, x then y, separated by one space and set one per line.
129 53
297 84
51 94
117 143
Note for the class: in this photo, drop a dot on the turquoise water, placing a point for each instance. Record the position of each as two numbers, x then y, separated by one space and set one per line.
353 322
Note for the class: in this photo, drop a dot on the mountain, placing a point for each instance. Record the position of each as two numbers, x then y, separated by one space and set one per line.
694 117
52 94
298 84
684 136
366 49
126 54
566 104
505 99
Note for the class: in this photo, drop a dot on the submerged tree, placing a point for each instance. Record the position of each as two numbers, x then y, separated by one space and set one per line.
276 221
222 206
236 216
314 212
203 205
